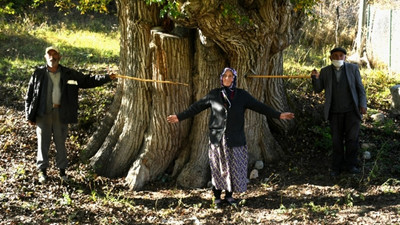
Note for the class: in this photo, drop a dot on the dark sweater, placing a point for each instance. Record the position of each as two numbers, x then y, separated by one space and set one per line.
341 96
227 120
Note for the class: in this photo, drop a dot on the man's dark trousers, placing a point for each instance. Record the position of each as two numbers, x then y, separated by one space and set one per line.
345 129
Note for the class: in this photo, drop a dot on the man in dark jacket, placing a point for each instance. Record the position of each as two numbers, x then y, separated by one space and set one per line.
51 103
345 102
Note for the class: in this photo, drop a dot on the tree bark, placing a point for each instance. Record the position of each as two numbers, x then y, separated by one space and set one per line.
137 141
359 43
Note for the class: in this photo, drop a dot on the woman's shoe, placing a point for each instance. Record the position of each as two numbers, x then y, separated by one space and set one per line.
231 201
217 203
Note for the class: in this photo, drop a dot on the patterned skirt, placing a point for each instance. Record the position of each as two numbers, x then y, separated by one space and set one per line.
228 167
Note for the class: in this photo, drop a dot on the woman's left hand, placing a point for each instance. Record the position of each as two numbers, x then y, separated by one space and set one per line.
286 116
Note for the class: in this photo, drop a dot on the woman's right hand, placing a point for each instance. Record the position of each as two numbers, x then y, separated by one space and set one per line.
286 116
172 119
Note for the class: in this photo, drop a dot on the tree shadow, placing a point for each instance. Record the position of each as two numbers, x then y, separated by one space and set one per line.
19 48
148 198
73 19
274 200
22 46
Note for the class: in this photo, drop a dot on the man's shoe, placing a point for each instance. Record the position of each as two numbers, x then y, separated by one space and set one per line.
42 177
354 170
62 172
64 179
63 175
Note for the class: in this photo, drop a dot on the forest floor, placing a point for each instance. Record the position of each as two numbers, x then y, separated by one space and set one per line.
295 190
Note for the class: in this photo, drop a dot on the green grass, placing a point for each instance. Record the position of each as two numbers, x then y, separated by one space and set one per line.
89 48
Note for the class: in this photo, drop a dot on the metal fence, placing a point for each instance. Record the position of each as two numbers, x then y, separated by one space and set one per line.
383 37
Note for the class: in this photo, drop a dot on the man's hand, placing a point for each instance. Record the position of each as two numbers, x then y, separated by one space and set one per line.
315 73
31 123
363 110
111 73
113 76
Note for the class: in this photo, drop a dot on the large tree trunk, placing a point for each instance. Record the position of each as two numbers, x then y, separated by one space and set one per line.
137 141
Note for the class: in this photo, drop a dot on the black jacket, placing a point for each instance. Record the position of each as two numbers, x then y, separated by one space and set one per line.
227 120
70 81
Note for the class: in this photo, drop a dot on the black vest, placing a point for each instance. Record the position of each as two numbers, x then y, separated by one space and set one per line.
342 100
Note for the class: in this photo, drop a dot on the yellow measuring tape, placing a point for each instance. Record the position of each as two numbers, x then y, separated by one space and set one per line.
149 80
184 84
277 76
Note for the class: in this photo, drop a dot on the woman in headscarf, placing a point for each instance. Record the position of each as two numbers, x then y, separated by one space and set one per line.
227 148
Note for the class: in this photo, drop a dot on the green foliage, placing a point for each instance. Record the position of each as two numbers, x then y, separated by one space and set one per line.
230 11
348 199
388 126
93 196
15 6
326 210
385 161
89 115
377 85
304 5
169 8
7 8
84 5
301 59
322 136
389 184
19 6
66 200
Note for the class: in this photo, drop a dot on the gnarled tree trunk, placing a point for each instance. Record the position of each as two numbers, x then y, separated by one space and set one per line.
137 141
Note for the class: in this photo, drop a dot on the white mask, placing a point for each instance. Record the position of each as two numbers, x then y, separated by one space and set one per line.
337 63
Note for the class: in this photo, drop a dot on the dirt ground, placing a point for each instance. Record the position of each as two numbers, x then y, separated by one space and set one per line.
296 190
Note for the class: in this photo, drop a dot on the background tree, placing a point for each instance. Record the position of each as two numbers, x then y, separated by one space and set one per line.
359 43
331 22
